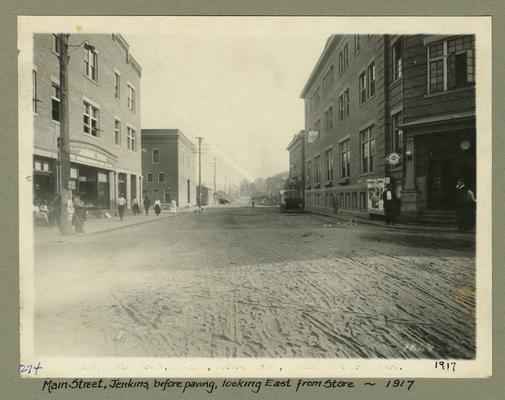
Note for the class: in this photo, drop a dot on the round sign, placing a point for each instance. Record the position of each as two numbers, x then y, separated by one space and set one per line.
393 159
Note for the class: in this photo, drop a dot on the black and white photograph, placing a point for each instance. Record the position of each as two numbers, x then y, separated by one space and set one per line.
255 196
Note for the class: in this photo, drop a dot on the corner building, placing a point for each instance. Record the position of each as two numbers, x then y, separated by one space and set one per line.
169 166
344 123
104 119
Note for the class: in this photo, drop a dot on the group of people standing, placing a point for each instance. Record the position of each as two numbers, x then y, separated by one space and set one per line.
121 206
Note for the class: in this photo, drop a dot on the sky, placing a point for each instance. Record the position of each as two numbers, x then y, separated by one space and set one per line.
238 86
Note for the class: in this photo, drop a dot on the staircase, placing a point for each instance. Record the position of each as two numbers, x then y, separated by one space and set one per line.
438 218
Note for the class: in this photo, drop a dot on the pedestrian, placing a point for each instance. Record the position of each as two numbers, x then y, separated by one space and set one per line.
147 204
121 204
135 206
252 202
464 201
157 206
79 213
389 202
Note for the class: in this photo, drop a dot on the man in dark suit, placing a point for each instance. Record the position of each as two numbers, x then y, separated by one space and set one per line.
389 201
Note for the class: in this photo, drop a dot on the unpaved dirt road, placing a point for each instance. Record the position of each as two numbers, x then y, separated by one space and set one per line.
242 282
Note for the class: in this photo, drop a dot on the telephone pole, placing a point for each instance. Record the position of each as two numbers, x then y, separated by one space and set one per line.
199 192
65 197
214 181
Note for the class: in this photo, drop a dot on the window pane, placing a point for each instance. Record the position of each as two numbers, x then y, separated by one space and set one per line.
436 76
436 50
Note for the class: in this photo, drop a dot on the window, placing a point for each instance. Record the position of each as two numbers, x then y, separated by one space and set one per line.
309 170
117 132
343 105
149 177
371 80
343 59
328 154
156 156
91 116
367 84
56 44
117 85
356 44
131 139
367 138
91 64
362 88
317 161
131 98
317 97
328 119
161 177
451 64
34 92
397 60
312 103
345 159
55 102
397 133
328 81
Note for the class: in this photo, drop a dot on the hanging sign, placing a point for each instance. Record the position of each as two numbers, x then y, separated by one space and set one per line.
393 159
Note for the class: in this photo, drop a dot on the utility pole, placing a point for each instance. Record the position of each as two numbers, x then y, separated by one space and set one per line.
214 181
199 192
65 221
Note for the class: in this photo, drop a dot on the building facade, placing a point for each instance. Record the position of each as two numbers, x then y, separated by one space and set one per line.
104 119
344 123
390 109
438 127
296 149
169 166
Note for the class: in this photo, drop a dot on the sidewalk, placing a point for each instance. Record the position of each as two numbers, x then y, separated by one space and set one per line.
343 217
95 226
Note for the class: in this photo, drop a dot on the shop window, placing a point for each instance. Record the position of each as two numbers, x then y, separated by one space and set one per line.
91 64
362 200
341 200
55 102
347 200
367 138
91 120
451 64
354 200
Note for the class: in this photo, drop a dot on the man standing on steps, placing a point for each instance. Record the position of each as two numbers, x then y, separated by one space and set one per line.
121 204
464 202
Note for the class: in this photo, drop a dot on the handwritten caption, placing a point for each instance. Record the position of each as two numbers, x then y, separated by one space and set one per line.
212 386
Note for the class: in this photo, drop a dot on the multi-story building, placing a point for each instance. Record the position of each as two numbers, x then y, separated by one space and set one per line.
169 166
438 126
344 123
104 118
390 108
296 178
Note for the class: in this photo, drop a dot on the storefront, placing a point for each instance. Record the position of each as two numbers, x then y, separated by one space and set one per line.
437 155
93 184
44 179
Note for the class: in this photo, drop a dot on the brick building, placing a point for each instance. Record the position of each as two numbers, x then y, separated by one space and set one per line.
104 118
296 178
169 166
390 108
344 119
438 122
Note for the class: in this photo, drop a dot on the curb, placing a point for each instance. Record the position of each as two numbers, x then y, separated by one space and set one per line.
115 228
413 227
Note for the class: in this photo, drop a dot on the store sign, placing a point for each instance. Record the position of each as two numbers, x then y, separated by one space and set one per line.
375 189
71 185
393 159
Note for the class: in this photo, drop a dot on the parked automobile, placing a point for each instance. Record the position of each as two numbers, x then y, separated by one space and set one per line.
291 200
